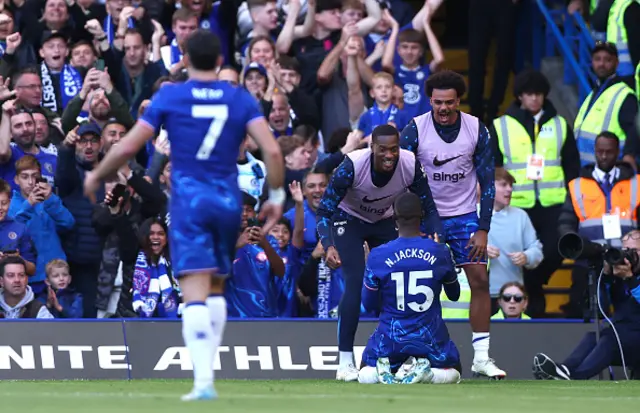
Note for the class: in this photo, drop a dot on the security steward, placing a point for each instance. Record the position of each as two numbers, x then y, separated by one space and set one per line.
602 204
611 106
537 147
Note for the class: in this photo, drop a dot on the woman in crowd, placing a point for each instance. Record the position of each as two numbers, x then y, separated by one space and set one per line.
155 290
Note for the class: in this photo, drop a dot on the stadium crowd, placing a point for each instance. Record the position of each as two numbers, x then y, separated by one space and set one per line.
76 74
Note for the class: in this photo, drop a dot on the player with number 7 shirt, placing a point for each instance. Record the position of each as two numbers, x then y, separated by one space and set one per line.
206 121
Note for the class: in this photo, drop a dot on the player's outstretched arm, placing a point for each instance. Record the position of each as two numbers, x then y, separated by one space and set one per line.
259 130
484 161
409 137
431 221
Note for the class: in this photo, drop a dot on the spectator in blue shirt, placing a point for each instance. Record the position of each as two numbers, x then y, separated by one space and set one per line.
383 111
14 236
35 206
61 300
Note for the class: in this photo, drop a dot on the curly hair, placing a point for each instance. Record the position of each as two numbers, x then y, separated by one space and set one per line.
531 81
447 79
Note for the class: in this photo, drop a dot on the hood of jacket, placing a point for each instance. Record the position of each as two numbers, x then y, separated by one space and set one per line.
12 312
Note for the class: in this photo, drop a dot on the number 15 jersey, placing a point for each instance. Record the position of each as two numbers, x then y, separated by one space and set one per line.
409 273
206 123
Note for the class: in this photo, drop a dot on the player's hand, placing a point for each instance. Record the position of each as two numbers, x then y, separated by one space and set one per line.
518 258
478 245
91 185
333 258
493 251
435 237
296 192
270 214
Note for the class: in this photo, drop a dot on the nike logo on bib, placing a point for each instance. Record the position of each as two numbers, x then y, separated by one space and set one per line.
437 162
368 201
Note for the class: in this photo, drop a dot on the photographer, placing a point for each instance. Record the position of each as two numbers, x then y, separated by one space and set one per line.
601 205
590 357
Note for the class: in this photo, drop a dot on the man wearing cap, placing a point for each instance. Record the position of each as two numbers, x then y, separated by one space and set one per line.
611 106
78 154
19 125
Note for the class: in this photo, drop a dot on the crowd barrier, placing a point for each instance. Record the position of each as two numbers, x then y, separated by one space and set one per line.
252 349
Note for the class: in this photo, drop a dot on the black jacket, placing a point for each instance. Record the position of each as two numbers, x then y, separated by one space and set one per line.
569 156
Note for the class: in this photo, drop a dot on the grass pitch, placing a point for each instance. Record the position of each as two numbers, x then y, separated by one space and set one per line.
320 396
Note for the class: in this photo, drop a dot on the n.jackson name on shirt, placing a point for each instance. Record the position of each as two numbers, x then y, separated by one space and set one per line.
408 253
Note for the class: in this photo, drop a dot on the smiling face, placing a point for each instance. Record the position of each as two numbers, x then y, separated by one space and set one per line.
114 7
313 190
157 238
55 13
386 151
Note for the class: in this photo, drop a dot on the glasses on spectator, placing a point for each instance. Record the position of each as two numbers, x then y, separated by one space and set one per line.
30 87
83 141
634 235
508 297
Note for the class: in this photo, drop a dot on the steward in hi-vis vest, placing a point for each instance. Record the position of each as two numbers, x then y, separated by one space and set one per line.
537 147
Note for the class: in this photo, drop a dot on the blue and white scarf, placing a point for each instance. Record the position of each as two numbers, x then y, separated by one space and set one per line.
70 86
176 54
3 45
110 30
323 301
155 288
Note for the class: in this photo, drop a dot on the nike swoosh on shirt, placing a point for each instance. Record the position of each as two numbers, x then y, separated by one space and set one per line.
437 162
368 201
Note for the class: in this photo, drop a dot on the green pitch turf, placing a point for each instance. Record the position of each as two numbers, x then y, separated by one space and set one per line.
320 396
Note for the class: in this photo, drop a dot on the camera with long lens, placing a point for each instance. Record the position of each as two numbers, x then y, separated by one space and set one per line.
574 247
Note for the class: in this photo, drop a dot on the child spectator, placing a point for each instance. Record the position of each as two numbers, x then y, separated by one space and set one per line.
61 300
290 249
410 72
42 211
14 236
383 111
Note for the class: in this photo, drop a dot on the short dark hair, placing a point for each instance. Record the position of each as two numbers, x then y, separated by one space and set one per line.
411 36
447 79
248 200
337 140
158 83
531 81
313 171
289 63
285 221
203 49
28 70
408 207
384 130
308 132
84 43
11 259
608 135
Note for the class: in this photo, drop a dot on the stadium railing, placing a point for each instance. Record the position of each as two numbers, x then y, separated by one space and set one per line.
572 43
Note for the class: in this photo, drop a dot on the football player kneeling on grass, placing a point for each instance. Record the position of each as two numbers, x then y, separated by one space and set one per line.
405 277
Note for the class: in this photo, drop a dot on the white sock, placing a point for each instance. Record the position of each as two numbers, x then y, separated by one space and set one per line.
346 358
445 376
217 306
368 375
480 343
199 339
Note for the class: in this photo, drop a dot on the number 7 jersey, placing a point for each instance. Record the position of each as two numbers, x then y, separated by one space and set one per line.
409 273
206 123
